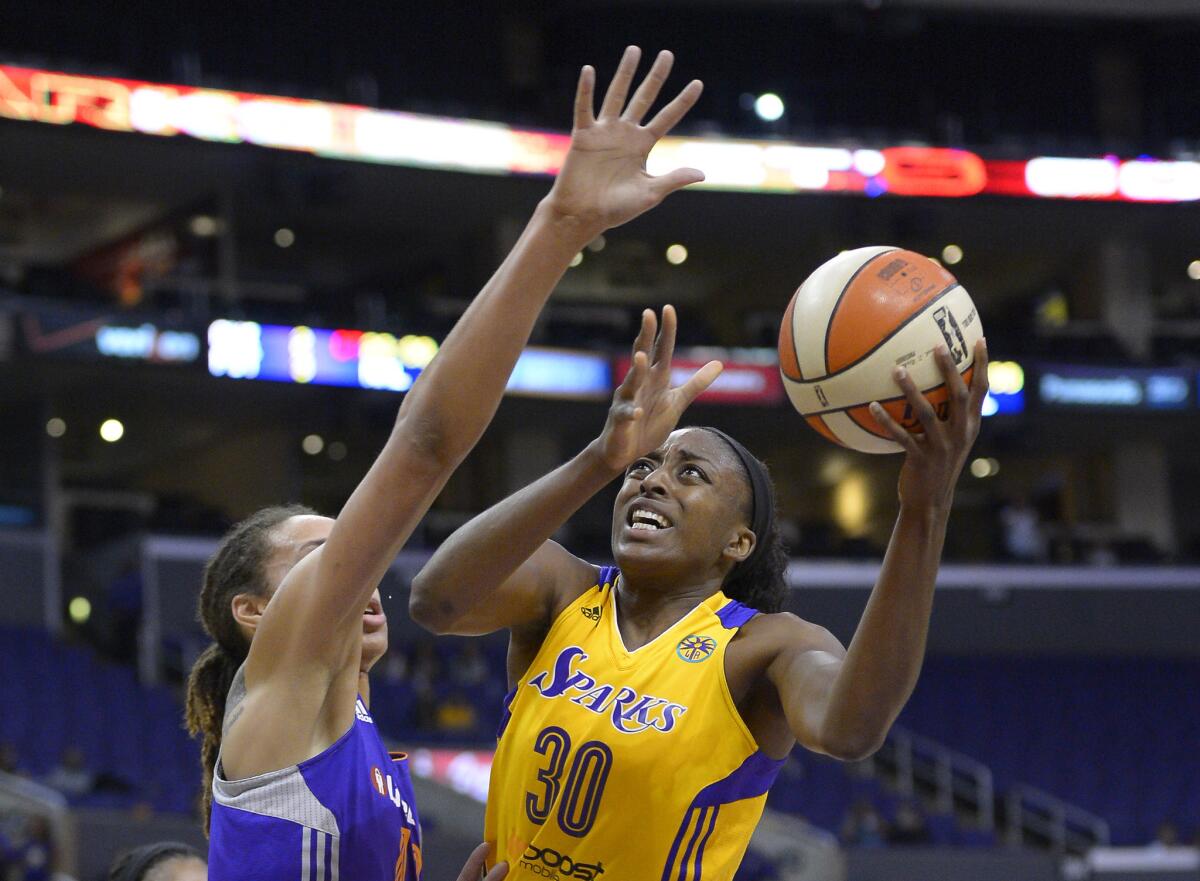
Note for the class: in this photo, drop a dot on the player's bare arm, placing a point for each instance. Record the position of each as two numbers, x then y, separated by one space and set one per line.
843 703
529 578
308 646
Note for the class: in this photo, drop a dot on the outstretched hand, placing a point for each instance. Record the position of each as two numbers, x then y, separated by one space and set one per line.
645 408
934 458
473 869
603 181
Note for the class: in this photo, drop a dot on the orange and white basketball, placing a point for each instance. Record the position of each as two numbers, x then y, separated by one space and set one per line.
853 321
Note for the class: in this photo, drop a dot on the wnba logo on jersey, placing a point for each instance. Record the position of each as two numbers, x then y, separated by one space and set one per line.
696 648
629 712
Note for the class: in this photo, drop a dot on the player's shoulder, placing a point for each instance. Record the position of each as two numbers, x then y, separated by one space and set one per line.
779 630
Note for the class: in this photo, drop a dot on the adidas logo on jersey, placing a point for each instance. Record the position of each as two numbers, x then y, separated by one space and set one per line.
628 711
592 613
360 712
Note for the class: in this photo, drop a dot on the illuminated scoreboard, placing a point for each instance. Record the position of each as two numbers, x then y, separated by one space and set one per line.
346 131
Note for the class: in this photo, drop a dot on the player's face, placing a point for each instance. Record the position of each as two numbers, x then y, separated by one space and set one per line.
295 539
680 508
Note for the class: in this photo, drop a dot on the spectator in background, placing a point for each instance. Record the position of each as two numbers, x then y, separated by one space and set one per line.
394 667
909 827
863 827
426 668
71 777
33 859
9 762
164 861
1166 836
469 669
1024 540
456 715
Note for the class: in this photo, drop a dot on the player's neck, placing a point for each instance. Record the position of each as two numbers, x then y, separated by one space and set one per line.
364 688
645 612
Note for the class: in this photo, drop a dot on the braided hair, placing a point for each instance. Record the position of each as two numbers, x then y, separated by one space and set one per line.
238 566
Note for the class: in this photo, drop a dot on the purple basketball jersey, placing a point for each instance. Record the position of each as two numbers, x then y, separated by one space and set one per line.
347 814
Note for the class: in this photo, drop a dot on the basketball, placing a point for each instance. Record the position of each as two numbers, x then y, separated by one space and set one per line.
853 321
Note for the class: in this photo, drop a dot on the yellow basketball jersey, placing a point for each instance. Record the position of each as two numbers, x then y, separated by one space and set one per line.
630 766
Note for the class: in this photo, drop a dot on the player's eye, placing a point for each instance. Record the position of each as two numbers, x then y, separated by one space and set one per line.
639 467
694 471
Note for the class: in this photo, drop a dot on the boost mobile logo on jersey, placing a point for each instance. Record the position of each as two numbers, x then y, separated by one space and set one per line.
551 864
629 712
696 648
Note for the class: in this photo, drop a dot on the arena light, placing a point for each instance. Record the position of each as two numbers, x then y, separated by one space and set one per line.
112 430
676 254
768 107
344 131
203 226
952 254
312 444
56 427
1193 270
284 237
79 610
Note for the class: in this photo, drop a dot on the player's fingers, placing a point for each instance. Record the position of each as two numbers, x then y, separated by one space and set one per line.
499 871
584 97
667 118
633 380
618 89
473 869
918 402
665 184
645 338
650 87
979 379
664 346
892 427
955 387
700 381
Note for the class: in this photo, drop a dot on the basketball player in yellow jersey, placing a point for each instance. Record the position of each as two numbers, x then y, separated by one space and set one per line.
654 704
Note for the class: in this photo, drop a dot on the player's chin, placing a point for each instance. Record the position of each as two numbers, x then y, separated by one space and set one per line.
631 550
374 646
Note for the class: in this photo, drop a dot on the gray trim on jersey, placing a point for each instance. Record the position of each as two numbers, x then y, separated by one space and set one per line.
283 794
315 871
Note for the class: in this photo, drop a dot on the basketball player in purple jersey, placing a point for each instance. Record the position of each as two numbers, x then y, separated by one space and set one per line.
298 783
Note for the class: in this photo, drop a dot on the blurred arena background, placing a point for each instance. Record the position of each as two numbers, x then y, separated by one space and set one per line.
231 237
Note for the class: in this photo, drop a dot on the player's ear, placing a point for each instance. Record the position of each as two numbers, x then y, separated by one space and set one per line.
740 545
247 609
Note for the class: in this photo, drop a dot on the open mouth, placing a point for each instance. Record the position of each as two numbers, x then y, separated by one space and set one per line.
643 519
374 609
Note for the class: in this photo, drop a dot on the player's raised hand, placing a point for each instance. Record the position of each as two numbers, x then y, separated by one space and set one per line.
473 869
603 181
934 458
645 408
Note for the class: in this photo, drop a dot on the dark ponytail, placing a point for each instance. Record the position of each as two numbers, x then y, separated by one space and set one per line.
237 567
759 581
